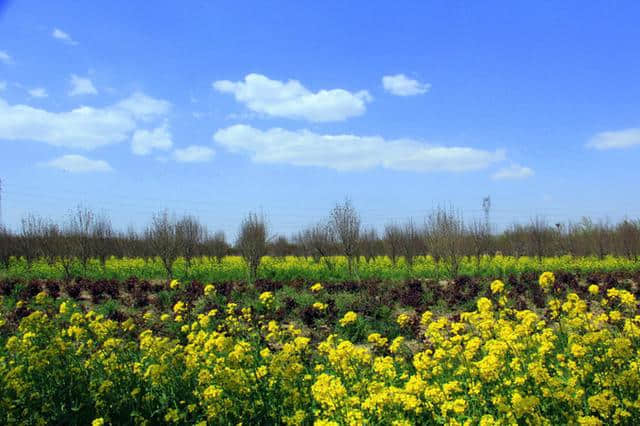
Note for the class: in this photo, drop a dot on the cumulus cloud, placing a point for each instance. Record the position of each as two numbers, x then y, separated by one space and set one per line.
350 152
291 99
81 86
193 154
84 127
38 92
145 141
514 171
5 58
144 107
79 164
57 33
619 139
401 85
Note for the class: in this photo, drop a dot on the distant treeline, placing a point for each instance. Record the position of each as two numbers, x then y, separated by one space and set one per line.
442 234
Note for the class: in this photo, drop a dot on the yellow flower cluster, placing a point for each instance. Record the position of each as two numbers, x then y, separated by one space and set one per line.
209 290
349 318
266 297
497 286
546 280
288 268
319 306
576 361
403 319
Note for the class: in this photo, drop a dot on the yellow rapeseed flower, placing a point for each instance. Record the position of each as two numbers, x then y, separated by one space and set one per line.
396 344
266 297
319 306
209 290
484 304
546 280
41 297
349 318
403 319
377 339
497 286
179 307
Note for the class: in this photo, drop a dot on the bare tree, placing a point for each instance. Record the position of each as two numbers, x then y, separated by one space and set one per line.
628 238
370 244
216 245
574 239
393 241
560 239
319 241
162 238
345 222
252 242
32 237
102 237
445 230
480 239
281 246
84 235
80 229
514 240
597 237
66 247
302 242
49 242
190 235
130 244
7 243
410 242
540 235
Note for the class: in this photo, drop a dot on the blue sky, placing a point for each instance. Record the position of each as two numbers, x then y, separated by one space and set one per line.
221 108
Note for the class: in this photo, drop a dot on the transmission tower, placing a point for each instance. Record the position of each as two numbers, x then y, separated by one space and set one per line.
486 206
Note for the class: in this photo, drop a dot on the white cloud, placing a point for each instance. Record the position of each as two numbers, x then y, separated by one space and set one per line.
514 171
38 92
61 35
144 107
79 164
3 85
401 85
5 58
83 127
292 100
145 141
615 139
81 86
193 154
350 152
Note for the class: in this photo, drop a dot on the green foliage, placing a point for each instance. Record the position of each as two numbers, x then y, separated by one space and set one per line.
290 268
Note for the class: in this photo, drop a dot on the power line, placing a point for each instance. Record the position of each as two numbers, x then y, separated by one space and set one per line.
131 201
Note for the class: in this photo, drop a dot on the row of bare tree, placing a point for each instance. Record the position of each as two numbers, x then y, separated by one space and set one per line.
86 235
442 234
